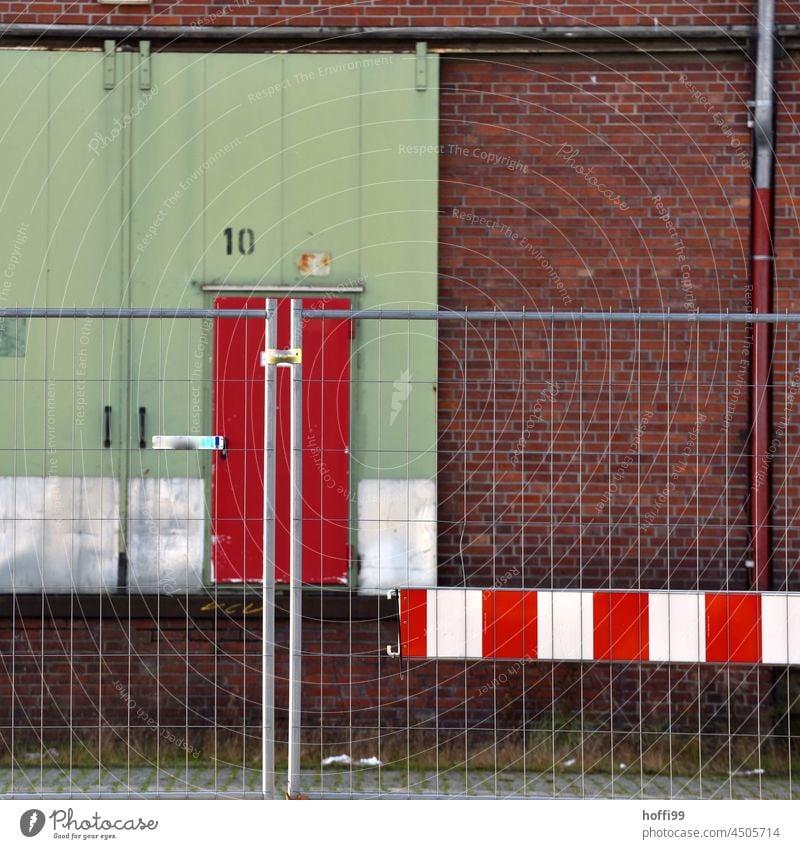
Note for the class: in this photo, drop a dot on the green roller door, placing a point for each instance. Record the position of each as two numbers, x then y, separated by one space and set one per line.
189 174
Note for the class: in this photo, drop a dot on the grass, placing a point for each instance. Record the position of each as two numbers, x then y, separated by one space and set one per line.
559 749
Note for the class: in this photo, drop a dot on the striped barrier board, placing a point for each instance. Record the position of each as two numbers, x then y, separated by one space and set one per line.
691 627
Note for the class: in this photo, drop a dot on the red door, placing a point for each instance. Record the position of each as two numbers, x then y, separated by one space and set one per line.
238 412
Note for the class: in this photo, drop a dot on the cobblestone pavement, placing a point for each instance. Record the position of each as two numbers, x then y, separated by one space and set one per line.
373 782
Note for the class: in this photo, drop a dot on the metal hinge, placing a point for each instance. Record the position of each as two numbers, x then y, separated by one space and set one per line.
277 357
421 66
109 64
144 66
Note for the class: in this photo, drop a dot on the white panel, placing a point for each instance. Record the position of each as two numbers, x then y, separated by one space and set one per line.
573 625
658 626
432 623
544 625
677 627
396 534
452 623
58 533
687 627
794 629
587 622
166 527
775 628
780 628
474 612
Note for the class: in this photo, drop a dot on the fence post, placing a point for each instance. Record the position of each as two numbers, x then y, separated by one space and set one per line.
296 554
268 562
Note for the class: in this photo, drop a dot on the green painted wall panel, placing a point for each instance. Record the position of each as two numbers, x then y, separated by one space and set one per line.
322 160
399 229
243 188
23 246
168 189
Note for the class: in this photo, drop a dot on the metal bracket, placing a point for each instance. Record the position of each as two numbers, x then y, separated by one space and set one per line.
752 105
190 443
109 64
144 66
278 357
391 650
421 70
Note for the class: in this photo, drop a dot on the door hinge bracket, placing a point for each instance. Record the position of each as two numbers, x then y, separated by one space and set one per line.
277 357
144 66
421 66
109 63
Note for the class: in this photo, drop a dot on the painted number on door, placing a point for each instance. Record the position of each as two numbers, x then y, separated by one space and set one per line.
246 241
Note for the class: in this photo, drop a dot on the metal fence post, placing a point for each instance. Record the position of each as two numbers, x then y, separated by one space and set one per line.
296 554
268 563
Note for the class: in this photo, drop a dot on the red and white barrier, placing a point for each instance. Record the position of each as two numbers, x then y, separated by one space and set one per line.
691 627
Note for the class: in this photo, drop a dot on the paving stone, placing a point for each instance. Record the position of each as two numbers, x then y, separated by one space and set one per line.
233 781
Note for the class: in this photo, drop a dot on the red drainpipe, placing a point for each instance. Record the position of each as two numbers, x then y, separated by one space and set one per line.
762 268
760 401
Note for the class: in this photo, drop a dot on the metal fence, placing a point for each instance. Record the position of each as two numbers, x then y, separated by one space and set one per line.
512 552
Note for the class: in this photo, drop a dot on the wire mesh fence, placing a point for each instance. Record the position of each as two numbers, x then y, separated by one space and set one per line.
563 501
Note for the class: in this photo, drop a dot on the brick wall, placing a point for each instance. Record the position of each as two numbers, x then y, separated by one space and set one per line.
590 167
172 685
389 13
786 357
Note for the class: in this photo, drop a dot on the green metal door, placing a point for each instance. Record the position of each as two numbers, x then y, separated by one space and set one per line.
62 230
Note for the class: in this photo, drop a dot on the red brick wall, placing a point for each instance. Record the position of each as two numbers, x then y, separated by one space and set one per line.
175 684
786 355
387 13
559 183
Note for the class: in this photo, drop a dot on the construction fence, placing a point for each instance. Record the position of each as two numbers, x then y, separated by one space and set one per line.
281 547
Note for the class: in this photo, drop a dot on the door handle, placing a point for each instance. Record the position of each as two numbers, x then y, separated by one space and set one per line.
106 427
142 438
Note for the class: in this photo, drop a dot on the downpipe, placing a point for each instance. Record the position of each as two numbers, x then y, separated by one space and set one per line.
762 263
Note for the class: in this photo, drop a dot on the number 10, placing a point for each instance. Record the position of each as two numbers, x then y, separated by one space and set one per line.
247 241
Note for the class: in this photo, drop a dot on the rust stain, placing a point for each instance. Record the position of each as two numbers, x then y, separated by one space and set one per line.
314 264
